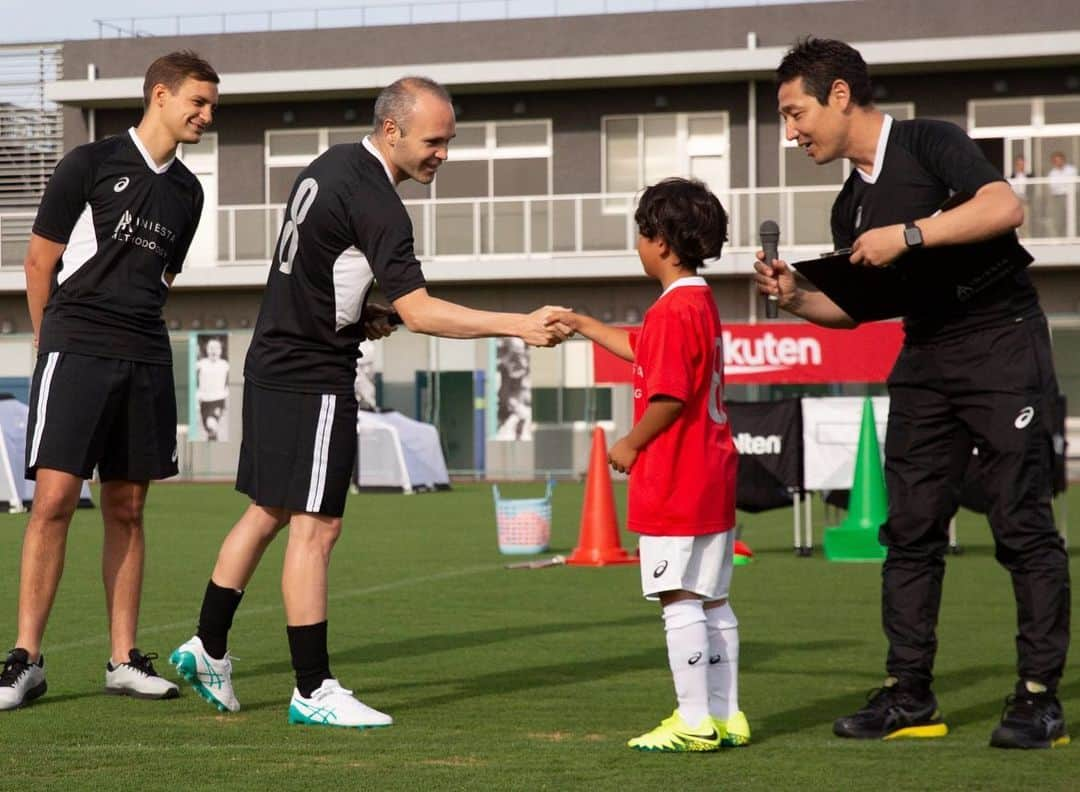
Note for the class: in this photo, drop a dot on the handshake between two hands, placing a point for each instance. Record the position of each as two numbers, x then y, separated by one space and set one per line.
550 326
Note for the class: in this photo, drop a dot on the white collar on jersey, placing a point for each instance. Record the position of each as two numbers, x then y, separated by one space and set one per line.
375 153
879 155
146 154
693 280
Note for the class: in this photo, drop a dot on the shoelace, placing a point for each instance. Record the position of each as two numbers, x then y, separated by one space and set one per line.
13 669
1020 707
142 662
880 698
324 691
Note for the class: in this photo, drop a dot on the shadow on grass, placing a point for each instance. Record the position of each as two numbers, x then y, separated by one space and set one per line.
821 712
429 644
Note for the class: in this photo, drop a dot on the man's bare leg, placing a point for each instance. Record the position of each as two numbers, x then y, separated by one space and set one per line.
122 559
44 543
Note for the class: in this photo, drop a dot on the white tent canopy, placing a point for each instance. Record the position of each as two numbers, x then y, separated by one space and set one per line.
16 492
398 453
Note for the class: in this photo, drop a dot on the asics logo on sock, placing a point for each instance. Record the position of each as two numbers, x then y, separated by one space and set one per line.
1024 417
660 569
714 659
694 658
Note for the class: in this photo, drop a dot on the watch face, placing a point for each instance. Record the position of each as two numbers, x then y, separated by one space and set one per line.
912 236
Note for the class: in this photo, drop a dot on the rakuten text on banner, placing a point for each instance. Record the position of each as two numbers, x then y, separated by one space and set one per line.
790 353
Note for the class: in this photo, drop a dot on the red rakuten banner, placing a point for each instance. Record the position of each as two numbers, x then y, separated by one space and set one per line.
795 354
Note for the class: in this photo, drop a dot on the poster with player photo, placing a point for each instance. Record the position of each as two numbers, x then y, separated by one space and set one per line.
210 382
514 420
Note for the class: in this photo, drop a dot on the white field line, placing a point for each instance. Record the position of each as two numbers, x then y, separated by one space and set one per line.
103 639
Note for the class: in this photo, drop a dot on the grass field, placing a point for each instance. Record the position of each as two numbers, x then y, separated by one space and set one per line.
503 679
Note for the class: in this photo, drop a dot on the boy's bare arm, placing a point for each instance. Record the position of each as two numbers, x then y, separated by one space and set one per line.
614 339
658 416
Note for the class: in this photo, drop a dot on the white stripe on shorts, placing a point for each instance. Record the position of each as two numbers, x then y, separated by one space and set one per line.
42 404
321 453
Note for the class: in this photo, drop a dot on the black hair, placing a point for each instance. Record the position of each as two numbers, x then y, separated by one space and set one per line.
687 216
821 62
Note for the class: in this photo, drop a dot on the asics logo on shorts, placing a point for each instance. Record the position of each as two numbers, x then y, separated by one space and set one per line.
121 184
694 658
1024 418
714 659
660 569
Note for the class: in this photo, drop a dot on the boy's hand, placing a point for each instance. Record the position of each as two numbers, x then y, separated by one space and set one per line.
622 455
563 319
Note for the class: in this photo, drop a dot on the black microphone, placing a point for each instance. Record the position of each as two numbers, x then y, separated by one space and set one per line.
769 234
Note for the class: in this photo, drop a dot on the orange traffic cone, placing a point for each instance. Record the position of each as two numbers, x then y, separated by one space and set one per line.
598 543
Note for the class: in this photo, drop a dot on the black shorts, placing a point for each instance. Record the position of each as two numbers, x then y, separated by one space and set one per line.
119 415
298 450
211 409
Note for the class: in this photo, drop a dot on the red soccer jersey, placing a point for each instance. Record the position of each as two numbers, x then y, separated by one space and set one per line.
683 482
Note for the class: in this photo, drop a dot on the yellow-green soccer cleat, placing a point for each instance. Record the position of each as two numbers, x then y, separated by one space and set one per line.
734 732
673 735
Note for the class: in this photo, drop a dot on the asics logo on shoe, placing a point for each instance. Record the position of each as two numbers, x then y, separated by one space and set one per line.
660 569
694 658
1024 417
714 659
321 714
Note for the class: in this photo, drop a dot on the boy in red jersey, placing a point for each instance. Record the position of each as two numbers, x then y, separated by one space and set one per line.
682 462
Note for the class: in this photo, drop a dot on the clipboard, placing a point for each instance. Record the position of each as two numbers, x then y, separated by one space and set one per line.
920 282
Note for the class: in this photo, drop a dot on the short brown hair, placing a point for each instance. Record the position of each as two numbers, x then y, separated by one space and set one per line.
171 70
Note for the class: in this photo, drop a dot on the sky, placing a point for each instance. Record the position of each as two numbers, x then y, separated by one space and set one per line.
55 20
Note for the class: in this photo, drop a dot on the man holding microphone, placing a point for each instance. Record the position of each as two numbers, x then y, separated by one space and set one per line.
980 368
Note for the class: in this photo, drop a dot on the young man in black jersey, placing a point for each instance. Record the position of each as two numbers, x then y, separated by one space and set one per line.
111 233
345 229
980 368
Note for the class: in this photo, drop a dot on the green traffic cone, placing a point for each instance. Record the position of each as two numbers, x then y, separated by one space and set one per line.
856 539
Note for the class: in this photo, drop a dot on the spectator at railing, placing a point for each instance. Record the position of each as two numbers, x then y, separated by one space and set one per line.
1019 183
1062 180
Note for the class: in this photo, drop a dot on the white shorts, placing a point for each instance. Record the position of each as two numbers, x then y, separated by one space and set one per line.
700 564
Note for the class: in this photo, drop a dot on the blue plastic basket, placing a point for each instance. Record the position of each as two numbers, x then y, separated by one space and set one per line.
523 524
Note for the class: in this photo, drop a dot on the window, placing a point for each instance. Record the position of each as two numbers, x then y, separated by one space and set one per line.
288 151
643 149
1030 133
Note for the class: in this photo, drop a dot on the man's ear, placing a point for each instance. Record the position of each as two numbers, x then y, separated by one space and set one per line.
840 93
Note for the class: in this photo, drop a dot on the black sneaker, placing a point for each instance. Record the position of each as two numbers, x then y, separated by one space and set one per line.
1031 720
892 712
20 680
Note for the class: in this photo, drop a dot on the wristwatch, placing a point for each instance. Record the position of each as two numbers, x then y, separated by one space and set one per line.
912 235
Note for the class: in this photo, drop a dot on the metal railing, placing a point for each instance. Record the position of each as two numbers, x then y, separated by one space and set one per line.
390 12
586 224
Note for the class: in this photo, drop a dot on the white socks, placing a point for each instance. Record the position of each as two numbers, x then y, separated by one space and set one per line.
688 647
723 668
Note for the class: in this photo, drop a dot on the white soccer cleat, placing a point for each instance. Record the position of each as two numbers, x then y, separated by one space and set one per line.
20 680
138 679
333 705
211 678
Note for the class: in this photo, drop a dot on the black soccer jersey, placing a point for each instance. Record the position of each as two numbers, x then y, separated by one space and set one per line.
921 163
344 229
126 222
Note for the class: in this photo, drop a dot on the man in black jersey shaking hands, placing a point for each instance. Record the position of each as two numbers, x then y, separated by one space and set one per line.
111 233
979 369
345 230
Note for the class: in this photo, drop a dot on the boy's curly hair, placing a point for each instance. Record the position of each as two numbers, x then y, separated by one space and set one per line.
687 216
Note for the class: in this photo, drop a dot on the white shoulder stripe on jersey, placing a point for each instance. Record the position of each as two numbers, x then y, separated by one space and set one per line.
42 405
81 246
321 453
352 280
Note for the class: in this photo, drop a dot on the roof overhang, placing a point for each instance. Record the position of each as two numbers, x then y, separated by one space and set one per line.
730 65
